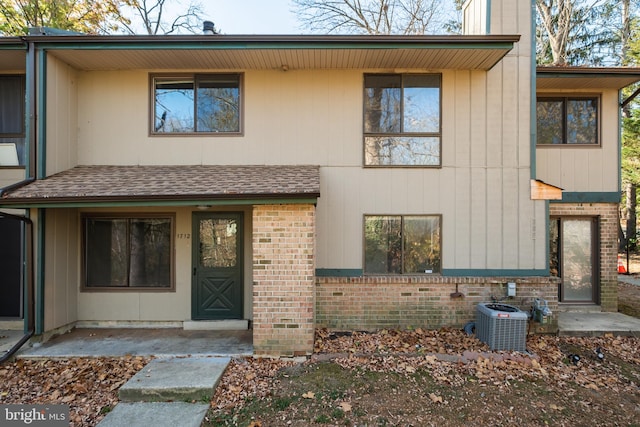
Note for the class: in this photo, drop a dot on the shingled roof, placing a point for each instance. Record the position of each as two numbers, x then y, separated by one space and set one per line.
168 183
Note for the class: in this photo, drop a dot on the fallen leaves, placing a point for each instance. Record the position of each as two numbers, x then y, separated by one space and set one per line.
87 385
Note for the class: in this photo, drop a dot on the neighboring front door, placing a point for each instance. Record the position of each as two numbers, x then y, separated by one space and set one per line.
217 266
10 267
574 258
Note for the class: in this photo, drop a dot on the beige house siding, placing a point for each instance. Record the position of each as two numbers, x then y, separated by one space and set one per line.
315 117
585 169
475 17
11 176
146 307
61 268
62 116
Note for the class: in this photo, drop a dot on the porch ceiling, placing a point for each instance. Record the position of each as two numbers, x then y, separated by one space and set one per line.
276 52
179 185
13 54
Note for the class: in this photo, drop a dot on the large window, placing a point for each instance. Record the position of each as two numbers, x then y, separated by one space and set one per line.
402 120
124 252
396 244
567 120
201 103
12 120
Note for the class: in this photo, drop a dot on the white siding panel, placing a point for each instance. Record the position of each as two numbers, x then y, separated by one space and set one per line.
478 238
449 120
62 116
495 218
528 223
510 112
447 200
586 169
524 111
463 119
61 269
494 117
462 215
510 222
478 136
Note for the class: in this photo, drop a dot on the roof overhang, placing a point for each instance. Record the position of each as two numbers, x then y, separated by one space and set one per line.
200 185
576 78
232 52
13 54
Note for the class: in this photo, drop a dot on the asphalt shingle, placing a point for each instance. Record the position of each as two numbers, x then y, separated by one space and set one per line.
115 183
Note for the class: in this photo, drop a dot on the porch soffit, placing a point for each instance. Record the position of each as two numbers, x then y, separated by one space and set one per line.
172 184
13 54
273 52
574 78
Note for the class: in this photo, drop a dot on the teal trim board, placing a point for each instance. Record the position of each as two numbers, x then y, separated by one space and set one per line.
41 147
356 272
592 197
40 263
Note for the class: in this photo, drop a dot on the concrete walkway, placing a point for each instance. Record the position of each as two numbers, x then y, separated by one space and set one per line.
168 393
631 280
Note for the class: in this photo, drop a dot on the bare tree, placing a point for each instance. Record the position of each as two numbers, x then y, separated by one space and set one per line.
372 16
154 17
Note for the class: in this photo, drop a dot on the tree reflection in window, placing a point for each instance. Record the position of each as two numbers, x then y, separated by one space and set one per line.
127 252
567 120
396 244
202 103
402 120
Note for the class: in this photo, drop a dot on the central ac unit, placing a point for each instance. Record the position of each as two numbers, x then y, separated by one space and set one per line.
501 326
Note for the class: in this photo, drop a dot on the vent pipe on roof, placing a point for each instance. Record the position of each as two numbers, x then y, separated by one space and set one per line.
208 28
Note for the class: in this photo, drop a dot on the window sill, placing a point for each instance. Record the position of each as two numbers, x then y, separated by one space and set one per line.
116 289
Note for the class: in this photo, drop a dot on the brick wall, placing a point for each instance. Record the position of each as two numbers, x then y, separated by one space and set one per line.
370 303
283 279
608 218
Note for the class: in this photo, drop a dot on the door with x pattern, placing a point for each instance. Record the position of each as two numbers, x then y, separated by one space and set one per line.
217 283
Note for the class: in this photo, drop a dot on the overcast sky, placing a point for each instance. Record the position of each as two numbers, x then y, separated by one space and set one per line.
252 16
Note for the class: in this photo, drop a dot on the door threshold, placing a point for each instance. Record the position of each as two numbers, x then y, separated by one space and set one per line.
216 325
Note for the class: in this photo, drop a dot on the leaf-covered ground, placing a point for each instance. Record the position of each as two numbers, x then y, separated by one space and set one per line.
390 378
88 386
422 378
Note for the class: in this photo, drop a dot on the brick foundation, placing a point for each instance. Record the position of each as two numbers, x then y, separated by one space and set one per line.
370 303
283 279
608 219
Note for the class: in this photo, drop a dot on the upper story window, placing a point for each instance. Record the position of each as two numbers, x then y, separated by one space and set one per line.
128 252
401 244
402 119
200 103
567 120
12 120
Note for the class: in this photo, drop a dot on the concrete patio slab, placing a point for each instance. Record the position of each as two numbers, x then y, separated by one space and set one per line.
572 323
163 342
175 379
146 414
9 338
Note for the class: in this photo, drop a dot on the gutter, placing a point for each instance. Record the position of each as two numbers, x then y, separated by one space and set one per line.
30 294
